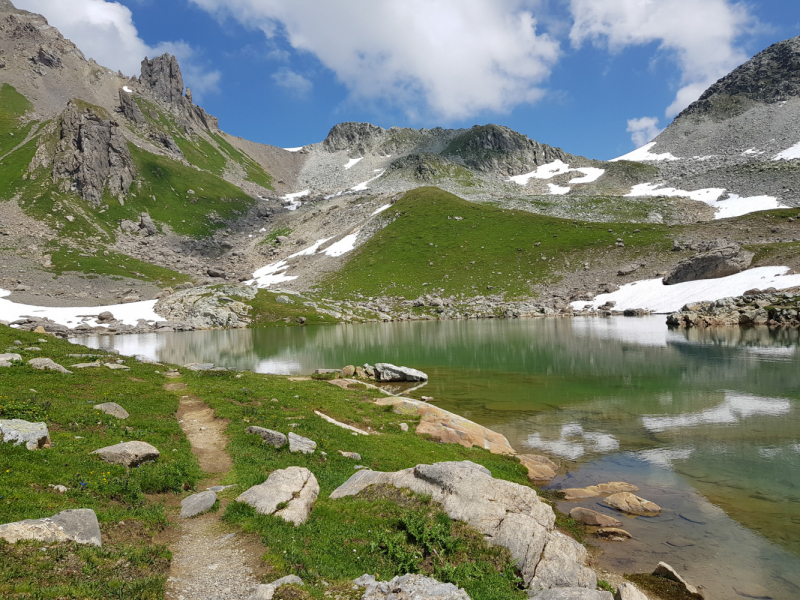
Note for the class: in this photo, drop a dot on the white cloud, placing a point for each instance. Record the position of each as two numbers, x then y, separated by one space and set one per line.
449 58
643 130
294 82
700 34
106 32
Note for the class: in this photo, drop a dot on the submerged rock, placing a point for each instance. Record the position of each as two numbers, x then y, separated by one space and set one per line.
592 517
629 503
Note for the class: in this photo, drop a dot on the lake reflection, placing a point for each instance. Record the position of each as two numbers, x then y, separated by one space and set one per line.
701 420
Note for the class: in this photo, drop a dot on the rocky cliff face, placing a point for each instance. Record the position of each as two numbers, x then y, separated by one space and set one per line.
92 154
161 78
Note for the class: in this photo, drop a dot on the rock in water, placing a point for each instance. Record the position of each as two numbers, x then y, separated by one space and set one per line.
592 517
569 594
76 525
270 437
508 514
298 443
113 409
129 454
389 372
718 262
540 468
666 571
628 591
47 364
294 487
18 431
197 504
629 503
409 586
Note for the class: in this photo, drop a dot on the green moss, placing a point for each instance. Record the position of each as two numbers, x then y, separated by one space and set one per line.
488 247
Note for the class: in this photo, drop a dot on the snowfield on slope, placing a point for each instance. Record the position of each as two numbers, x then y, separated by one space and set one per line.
72 316
643 154
653 295
734 206
558 167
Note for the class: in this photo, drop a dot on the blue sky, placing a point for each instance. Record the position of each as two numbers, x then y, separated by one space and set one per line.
589 76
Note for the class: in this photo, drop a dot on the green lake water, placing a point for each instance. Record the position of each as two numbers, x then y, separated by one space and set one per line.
706 423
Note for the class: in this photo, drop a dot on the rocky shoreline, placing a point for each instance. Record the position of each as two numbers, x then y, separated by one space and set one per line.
755 307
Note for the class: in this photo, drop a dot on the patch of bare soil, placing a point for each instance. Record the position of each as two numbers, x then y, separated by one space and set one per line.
206 433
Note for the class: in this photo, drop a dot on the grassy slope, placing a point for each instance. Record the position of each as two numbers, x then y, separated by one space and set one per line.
501 243
267 312
115 264
129 565
13 105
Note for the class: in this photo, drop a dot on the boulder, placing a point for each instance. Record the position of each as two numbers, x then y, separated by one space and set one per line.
18 431
629 503
197 504
569 594
722 261
592 517
614 533
75 525
9 357
113 409
600 489
506 513
129 454
270 437
105 317
266 591
294 487
562 565
666 571
389 372
47 364
298 443
351 455
628 591
348 371
540 468
409 586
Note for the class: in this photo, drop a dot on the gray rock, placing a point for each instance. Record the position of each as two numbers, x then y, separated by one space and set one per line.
199 366
592 517
129 454
197 504
18 431
61 489
146 222
113 409
91 365
562 565
130 108
390 372
508 514
273 438
403 426
666 571
161 77
76 525
205 307
717 262
628 591
105 316
407 587
266 591
296 487
47 364
10 356
282 299
352 455
570 593
298 443
4 363
220 488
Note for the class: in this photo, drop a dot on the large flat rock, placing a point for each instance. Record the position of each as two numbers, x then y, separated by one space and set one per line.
295 486
197 504
588 516
272 438
298 443
390 372
129 454
113 409
632 504
76 525
19 431
506 513
416 587
47 364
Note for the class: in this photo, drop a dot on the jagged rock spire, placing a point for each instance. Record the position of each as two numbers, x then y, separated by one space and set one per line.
162 77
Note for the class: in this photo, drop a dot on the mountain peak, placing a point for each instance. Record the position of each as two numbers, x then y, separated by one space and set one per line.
162 77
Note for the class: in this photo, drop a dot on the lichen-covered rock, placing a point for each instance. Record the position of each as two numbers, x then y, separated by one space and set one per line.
562 565
288 493
416 587
205 307
18 431
506 513
270 437
298 443
113 409
129 454
47 364
76 525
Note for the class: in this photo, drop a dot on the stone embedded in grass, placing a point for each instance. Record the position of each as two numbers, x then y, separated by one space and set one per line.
390 372
113 409
7 358
570 593
270 437
61 489
592 517
18 431
129 454
266 591
47 364
418 587
91 365
197 504
352 455
76 525
403 426
561 565
629 503
298 443
288 493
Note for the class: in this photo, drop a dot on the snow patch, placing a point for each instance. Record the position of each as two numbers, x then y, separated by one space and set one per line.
790 153
707 195
271 274
590 175
643 154
294 149
752 152
653 295
126 89
558 167
311 249
557 190
380 210
343 246
734 206
362 187
352 163
72 316
294 204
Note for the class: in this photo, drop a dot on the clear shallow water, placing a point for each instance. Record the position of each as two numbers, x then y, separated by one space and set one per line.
706 423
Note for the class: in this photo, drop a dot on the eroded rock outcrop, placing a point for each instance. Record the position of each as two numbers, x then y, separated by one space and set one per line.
506 513
294 489
92 154
77 525
204 307
721 260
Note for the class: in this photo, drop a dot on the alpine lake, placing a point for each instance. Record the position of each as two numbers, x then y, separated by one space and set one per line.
705 422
